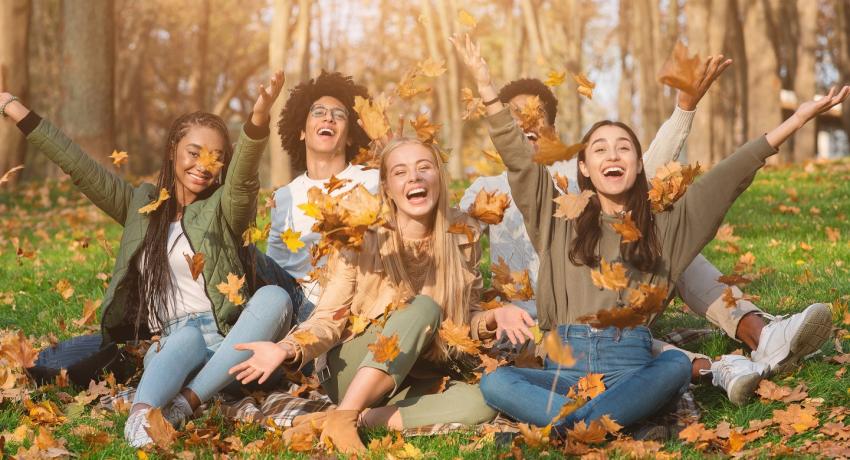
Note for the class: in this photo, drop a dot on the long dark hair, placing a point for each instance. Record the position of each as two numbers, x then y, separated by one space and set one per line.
153 283
644 253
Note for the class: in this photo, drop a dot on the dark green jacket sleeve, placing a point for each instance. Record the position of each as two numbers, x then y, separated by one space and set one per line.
695 218
532 188
242 183
106 190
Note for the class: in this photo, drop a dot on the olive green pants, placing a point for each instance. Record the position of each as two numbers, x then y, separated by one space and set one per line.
416 324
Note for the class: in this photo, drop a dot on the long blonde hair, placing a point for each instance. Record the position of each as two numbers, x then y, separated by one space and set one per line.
451 291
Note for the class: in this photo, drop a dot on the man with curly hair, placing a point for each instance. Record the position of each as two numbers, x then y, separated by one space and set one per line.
318 128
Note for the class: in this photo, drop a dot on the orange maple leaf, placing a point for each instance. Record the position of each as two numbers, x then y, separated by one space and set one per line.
304 337
209 161
587 387
681 71
473 106
385 349
118 157
231 288
571 206
796 419
154 205
335 183
457 335
425 130
669 184
462 228
627 229
89 312
160 430
373 116
550 149
594 433
585 86
558 351
489 207
610 276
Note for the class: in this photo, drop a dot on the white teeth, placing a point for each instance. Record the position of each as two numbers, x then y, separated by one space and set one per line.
415 191
613 169
531 136
326 131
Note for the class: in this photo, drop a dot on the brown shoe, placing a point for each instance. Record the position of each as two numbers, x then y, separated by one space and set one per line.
316 419
341 432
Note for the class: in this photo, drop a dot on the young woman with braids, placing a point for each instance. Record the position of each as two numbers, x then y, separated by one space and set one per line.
638 383
152 290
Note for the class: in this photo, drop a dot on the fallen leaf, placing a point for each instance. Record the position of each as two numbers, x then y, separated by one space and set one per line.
627 229
796 419
385 349
571 206
681 71
64 288
292 240
610 276
533 436
594 433
160 430
209 161
833 234
304 337
8 175
18 350
585 86
118 157
154 205
89 312
196 264
489 207
231 288
557 351
697 432
457 336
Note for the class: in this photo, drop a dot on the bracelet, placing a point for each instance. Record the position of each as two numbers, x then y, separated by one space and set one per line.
3 107
492 101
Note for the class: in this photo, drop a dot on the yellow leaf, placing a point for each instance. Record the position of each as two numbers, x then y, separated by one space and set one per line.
385 349
465 18
64 288
627 229
160 430
432 68
310 210
588 387
610 276
585 86
557 351
254 235
550 149
304 337
537 333
425 131
231 288
555 78
291 240
118 157
358 324
373 115
154 205
209 161
473 106
457 336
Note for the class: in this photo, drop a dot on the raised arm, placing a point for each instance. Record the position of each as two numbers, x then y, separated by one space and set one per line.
532 188
696 217
107 191
242 183
671 137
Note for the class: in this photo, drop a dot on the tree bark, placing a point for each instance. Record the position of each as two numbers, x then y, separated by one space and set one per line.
645 52
626 90
198 79
572 22
14 33
279 163
805 139
88 59
454 130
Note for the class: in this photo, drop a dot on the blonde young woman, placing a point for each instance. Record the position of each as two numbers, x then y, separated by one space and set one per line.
420 260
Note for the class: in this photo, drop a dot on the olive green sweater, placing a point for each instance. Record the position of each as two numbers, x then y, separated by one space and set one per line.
213 225
565 292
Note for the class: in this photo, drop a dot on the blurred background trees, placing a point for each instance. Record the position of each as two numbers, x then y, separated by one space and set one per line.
115 73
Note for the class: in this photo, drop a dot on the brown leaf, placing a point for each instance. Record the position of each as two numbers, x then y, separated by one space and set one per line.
64 288
155 204
385 349
533 436
610 276
196 264
594 433
587 387
833 234
18 350
671 181
561 182
409 86
697 432
489 207
254 234
160 430
610 425
462 228
372 115
681 71
368 158
555 78
473 106
796 419
335 183
425 130
457 336
432 68
305 337
550 149
585 86
89 312
627 229
557 351
571 206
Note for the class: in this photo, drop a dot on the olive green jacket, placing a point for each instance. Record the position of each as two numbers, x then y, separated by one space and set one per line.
213 225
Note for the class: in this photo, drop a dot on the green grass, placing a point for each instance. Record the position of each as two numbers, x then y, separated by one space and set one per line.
73 241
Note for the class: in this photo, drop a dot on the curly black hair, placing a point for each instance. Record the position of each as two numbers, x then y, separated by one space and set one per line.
533 87
293 117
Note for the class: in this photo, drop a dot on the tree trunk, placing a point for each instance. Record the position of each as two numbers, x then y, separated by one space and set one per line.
198 79
763 83
454 130
302 40
572 21
510 45
14 33
805 139
649 65
626 90
87 82
533 33
279 164
840 52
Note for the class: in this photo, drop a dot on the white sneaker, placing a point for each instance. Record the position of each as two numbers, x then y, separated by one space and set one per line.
178 411
785 341
738 376
134 429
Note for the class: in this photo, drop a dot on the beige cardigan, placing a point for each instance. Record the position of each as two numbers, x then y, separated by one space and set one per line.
357 281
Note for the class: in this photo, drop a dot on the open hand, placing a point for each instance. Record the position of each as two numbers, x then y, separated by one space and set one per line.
810 109
267 357
470 51
514 322
707 73
266 97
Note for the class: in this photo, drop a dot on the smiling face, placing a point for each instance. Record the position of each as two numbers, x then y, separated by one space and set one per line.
191 179
611 162
326 130
412 181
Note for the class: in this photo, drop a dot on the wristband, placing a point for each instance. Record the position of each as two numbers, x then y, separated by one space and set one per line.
5 104
492 101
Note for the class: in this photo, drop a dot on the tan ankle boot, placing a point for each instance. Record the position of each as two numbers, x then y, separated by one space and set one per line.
341 431
316 419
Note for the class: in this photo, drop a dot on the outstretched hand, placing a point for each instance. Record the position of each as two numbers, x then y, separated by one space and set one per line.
266 97
810 109
707 73
267 357
470 51
514 323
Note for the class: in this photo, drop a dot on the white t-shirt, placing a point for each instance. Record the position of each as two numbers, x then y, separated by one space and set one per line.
188 295
287 215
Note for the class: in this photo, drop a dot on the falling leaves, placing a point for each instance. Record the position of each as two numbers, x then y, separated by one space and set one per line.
627 229
334 183
231 288
209 161
511 285
431 67
304 337
385 349
457 336
341 220
587 387
467 19
644 302
118 157
462 228
489 207
555 78
570 205
585 86
557 351
254 234
550 149
611 276
196 264
373 116
669 184
425 130
154 205
8 175
473 106
680 71
530 114
292 240
410 85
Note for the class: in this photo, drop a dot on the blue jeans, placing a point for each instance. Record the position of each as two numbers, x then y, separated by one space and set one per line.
192 345
637 385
